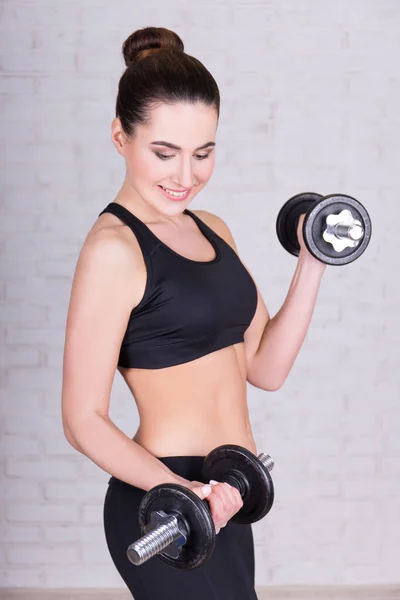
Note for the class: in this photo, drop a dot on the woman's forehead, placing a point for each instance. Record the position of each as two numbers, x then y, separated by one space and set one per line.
182 120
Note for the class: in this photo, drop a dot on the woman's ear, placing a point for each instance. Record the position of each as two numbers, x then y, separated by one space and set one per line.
118 136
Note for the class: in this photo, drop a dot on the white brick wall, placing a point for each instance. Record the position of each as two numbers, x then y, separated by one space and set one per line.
310 102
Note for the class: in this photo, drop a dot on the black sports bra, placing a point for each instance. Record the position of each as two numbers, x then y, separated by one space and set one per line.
189 308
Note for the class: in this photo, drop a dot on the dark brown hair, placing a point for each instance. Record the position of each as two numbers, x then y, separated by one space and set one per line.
158 70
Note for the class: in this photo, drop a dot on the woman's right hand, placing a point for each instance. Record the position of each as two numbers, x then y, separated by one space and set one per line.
224 500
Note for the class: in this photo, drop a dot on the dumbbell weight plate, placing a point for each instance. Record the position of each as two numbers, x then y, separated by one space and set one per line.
231 460
288 218
173 498
315 225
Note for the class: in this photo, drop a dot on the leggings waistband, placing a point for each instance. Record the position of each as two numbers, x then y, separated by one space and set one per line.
188 467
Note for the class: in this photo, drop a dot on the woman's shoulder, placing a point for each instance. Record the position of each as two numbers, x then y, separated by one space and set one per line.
109 261
109 234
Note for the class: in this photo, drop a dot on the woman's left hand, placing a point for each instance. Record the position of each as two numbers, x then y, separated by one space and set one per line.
303 247
304 252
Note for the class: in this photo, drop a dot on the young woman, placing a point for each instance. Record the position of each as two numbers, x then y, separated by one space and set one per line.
160 294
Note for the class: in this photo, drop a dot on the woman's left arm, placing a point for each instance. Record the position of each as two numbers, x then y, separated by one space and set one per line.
282 336
272 344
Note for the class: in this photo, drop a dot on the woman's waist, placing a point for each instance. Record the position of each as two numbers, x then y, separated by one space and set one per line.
194 413
206 398
193 437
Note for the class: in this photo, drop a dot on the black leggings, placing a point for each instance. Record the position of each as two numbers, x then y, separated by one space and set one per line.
228 575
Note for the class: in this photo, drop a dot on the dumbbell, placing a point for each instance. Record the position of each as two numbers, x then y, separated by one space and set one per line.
336 228
177 525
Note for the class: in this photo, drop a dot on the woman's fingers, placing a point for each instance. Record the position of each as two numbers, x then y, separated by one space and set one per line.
225 501
232 498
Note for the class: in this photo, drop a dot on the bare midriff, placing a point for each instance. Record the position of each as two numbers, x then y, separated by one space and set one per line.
191 408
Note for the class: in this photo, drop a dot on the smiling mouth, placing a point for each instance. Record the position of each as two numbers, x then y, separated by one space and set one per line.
175 193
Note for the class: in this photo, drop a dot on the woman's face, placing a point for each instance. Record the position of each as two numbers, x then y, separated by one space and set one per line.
170 159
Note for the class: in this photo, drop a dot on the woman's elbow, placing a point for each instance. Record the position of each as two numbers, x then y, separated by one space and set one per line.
268 384
71 440
274 387
69 435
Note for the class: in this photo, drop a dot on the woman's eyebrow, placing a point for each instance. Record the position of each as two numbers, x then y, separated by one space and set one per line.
173 147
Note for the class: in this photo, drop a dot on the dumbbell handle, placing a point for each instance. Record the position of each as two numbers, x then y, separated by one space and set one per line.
155 541
353 232
162 536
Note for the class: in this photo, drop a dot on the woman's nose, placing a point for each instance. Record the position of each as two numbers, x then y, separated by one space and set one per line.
185 175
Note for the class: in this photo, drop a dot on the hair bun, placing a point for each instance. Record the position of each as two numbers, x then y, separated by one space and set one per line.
150 38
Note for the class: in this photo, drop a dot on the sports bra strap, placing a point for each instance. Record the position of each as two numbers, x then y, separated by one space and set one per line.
147 241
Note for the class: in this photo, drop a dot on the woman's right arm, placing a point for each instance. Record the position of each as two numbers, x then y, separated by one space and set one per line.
104 291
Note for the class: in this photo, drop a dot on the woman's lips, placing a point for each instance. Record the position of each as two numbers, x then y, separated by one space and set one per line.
173 197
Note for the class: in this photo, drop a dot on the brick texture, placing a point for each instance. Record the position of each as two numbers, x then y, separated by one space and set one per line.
310 102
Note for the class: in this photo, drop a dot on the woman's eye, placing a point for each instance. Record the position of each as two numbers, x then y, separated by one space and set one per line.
163 156
167 156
